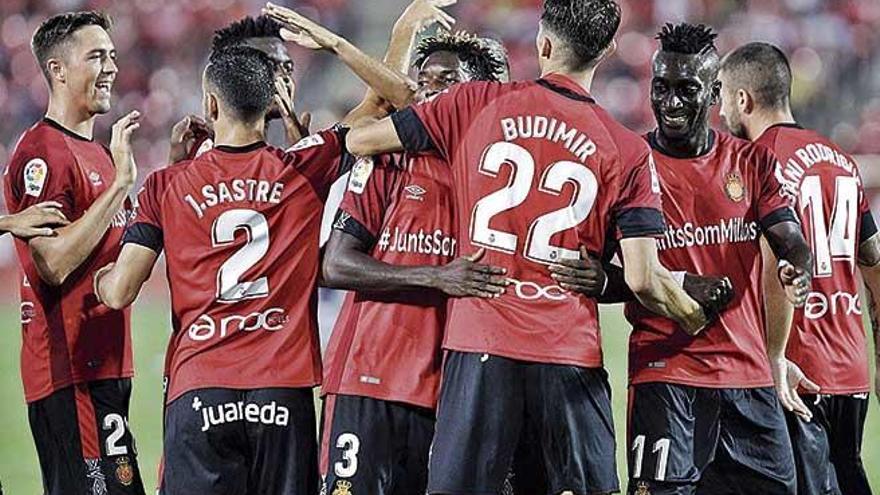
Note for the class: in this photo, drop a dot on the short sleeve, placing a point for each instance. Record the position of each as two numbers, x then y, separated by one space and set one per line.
370 189
440 123
42 172
322 158
146 229
638 212
773 205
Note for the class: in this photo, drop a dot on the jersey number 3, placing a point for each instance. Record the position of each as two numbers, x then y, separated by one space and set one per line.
537 246
230 287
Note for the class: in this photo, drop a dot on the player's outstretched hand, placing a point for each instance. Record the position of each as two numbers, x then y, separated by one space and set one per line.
788 379
120 149
39 220
465 277
795 281
584 276
186 134
421 14
712 293
295 127
302 30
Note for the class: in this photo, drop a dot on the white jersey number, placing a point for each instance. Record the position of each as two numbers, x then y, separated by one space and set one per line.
840 242
537 246
230 288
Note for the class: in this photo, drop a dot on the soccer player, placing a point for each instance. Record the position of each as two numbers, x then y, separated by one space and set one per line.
539 169
76 353
39 220
703 411
827 338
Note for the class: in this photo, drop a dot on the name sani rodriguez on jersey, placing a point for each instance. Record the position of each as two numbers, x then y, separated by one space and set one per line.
730 231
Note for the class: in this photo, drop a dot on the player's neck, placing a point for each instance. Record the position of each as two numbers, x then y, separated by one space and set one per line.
71 117
697 144
765 120
232 133
583 78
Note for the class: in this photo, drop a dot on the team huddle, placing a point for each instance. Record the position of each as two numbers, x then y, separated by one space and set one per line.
483 221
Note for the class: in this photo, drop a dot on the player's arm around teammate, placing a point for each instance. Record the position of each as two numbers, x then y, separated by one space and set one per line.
38 220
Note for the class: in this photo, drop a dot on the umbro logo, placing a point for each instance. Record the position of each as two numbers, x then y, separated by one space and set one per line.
415 191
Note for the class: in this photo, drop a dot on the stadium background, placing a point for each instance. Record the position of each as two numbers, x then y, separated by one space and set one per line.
834 46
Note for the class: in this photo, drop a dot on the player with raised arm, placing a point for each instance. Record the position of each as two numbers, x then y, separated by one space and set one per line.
703 411
393 243
539 170
76 353
827 338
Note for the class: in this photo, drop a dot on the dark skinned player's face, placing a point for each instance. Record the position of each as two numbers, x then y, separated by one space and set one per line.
683 89
438 72
276 51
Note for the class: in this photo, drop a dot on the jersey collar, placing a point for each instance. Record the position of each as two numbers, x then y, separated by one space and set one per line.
65 130
566 87
240 149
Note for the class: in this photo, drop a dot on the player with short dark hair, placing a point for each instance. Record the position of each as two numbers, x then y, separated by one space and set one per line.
539 171
827 337
76 353
703 412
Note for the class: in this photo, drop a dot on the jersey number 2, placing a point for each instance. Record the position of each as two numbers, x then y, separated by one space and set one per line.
230 288
537 245
840 242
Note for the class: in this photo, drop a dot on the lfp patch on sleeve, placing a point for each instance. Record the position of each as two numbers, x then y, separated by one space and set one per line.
307 142
360 174
35 173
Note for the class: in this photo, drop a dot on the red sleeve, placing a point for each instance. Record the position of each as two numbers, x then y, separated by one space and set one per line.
146 229
43 171
369 192
322 158
441 122
773 204
639 212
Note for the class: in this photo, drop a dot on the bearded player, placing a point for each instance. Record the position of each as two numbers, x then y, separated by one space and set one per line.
539 170
704 415
76 353
827 337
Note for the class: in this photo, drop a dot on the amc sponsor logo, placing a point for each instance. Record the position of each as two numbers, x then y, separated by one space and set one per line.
819 305
207 327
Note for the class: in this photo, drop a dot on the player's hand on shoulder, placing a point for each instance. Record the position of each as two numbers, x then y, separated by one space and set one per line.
185 135
466 277
422 14
796 282
713 294
584 275
120 148
295 127
39 220
302 30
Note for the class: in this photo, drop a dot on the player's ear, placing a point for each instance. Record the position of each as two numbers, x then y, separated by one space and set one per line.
56 70
212 107
744 102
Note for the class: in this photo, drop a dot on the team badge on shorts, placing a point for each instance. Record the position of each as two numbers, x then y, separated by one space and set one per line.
124 471
342 488
642 488
734 187
35 173
360 174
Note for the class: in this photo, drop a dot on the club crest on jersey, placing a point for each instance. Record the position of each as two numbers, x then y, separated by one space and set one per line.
35 173
95 178
415 192
360 174
124 471
734 187
642 489
342 488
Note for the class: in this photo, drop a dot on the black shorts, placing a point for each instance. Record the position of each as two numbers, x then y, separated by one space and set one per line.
83 441
489 403
686 440
374 446
237 442
828 449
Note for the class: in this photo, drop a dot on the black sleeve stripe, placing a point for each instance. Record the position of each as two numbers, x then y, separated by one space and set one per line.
146 235
869 228
784 214
346 223
346 159
411 131
641 222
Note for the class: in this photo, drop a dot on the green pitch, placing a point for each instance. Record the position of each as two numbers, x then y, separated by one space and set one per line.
19 471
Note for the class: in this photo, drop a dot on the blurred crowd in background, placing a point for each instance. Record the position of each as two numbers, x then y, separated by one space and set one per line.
834 46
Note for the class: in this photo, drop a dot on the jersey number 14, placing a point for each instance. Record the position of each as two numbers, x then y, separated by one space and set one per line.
840 242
